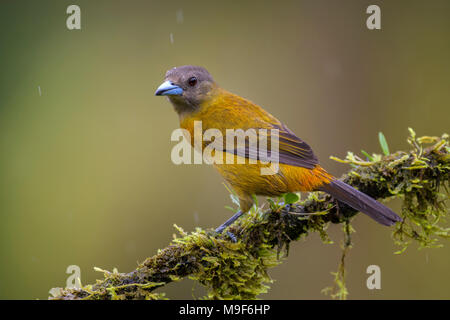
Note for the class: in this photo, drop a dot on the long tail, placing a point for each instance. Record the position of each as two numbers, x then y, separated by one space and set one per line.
361 202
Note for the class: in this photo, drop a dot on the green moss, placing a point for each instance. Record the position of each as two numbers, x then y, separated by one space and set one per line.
339 290
239 270
230 270
419 178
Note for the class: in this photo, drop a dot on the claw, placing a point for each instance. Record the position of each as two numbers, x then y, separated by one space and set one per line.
232 236
286 210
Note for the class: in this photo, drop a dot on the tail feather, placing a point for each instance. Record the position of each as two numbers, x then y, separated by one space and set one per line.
361 202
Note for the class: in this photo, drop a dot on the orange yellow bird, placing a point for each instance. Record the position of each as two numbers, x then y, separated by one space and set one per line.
197 97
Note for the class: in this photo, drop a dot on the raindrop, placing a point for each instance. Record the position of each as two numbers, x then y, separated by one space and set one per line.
196 217
180 17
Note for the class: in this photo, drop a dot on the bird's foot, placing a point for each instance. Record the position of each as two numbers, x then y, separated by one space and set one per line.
220 229
286 210
232 236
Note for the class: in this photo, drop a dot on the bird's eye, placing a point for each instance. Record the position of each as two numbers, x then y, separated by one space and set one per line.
192 81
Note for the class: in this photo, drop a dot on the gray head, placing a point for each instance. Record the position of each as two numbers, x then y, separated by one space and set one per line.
187 87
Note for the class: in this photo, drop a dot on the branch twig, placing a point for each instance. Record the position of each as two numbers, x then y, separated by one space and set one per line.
239 269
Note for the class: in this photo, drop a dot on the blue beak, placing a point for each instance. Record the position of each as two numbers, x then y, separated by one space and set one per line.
168 88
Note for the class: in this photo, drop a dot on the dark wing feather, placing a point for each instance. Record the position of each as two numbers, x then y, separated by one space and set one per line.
292 150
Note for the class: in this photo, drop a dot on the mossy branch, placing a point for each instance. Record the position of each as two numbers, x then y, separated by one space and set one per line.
238 270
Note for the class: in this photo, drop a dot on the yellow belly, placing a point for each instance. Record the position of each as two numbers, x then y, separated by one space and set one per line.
247 178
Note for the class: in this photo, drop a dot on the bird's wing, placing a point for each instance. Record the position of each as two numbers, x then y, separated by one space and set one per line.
291 149
294 151
233 111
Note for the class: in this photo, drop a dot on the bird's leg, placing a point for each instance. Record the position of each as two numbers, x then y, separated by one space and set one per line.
229 221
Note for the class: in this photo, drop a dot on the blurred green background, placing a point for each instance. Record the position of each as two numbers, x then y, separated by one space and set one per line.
85 170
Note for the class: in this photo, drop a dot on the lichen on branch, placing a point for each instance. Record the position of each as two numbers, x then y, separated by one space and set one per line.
232 269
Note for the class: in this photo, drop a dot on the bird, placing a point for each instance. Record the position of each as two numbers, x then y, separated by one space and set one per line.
196 96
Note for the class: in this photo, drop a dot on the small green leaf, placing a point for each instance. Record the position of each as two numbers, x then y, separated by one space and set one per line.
230 208
367 155
290 198
255 200
412 133
272 204
401 250
383 143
